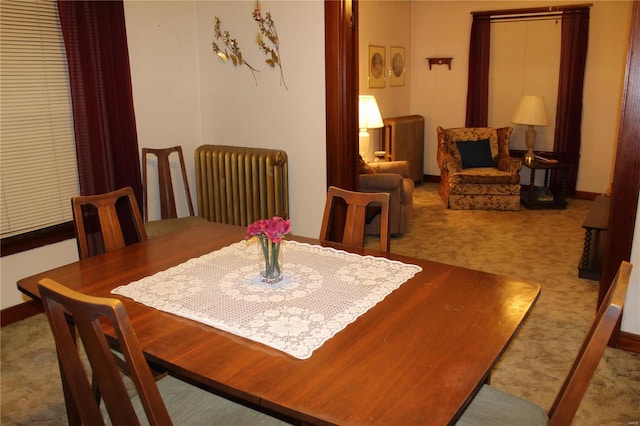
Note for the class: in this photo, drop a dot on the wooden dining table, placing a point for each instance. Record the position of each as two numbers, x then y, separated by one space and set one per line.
415 358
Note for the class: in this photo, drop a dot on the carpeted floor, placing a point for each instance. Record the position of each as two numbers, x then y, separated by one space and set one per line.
542 246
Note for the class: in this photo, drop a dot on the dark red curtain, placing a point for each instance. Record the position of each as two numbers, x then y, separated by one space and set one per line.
107 153
106 140
573 56
478 81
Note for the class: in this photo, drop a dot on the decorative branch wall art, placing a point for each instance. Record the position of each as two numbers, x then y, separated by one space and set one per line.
270 47
233 51
268 30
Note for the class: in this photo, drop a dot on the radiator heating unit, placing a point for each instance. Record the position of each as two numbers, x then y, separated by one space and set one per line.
239 185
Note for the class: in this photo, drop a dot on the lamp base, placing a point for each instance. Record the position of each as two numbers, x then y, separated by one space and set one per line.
363 138
530 140
529 157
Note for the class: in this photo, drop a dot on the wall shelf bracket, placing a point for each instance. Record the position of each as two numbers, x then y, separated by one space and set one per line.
439 61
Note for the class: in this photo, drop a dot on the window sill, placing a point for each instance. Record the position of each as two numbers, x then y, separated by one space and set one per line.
34 239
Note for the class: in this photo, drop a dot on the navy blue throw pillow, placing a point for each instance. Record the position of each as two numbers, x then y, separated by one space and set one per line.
475 153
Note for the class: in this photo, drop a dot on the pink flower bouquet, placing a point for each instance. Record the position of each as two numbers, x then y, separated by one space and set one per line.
270 233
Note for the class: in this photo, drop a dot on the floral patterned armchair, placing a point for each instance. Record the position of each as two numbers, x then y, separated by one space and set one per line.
476 171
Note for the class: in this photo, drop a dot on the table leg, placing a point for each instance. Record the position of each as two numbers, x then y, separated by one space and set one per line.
531 185
548 195
586 251
546 178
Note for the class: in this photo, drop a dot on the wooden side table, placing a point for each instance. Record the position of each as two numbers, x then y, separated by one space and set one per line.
533 198
595 237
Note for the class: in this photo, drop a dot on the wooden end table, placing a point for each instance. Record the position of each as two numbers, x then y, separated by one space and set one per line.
533 198
595 237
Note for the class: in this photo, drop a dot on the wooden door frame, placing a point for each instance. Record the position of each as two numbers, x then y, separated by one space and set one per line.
341 78
626 179
341 68
341 86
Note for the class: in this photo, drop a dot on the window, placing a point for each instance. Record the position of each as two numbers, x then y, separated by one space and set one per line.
38 176
525 60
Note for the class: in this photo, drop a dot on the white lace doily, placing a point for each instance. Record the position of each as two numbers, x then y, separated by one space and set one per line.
323 290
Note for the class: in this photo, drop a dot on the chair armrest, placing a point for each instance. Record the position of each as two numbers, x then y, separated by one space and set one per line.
509 164
448 163
400 167
380 182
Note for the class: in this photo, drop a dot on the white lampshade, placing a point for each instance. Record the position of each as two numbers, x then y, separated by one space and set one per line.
531 111
368 118
369 113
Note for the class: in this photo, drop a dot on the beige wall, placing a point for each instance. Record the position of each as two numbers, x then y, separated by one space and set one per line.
237 112
184 94
21 265
385 23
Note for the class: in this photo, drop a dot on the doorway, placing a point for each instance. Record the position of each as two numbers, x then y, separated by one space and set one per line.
341 70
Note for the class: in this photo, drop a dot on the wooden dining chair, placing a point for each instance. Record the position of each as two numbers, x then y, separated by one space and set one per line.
492 406
106 222
62 305
164 402
169 220
357 203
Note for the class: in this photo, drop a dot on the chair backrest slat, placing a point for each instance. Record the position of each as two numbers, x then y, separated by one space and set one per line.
355 220
575 385
167 196
69 311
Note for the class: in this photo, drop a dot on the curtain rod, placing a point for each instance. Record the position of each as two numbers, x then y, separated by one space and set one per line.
532 10
520 18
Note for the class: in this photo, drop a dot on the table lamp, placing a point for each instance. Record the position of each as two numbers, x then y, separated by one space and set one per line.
531 112
368 118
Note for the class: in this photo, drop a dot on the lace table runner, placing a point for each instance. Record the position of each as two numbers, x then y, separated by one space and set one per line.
323 290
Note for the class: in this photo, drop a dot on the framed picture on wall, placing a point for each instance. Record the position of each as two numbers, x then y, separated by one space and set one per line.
396 55
376 66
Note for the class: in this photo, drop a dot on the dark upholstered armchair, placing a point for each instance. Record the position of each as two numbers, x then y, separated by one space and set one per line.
391 177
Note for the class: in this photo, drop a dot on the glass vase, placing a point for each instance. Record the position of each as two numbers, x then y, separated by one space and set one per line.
271 261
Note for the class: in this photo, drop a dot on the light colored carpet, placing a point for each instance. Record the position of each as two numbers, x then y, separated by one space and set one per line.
541 246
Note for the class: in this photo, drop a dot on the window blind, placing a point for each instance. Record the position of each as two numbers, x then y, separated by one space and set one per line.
525 60
37 149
